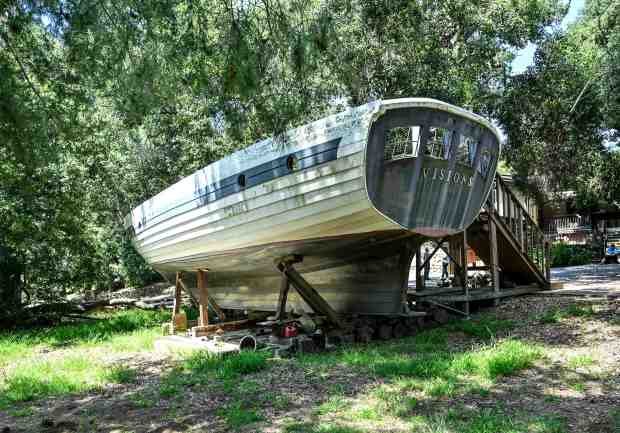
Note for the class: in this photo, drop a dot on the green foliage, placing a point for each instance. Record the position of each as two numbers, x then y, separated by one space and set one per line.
201 368
482 327
103 105
35 379
121 374
573 310
124 331
122 322
562 114
237 416
82 366
570 255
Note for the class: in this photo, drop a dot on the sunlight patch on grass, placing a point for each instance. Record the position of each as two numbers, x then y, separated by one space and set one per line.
69 358
580 361
573 310
486 421
123 331
311 427
334 404
33 379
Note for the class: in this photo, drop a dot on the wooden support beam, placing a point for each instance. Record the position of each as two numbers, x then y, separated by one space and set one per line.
494 257
189 292
285 286
548 262
179 320
437 248
464 270
419 279
203 298
308 293
176 306
216 307
405 263
521 225
201 331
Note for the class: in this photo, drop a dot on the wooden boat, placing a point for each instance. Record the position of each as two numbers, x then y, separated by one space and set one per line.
353 194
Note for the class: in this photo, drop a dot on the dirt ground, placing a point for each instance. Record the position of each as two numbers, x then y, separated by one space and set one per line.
584 395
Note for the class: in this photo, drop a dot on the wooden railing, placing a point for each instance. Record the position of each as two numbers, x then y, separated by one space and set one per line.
526 234
565 224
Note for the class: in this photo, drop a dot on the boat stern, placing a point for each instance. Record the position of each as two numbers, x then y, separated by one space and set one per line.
430 165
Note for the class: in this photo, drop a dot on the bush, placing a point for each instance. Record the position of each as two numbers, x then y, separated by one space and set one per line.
570 255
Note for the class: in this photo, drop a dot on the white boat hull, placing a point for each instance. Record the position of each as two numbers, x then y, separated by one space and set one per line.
321 193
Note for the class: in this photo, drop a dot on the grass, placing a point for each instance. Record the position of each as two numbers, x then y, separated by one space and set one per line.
236 415
580 361
484 327
334 404
577 386
129 329
458 420
201 368
614 418
573 310
407 373
74 353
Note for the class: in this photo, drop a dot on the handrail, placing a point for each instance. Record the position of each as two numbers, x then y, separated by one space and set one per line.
526 233
570 223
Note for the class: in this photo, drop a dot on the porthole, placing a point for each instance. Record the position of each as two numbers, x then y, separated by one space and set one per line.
291 163
241 180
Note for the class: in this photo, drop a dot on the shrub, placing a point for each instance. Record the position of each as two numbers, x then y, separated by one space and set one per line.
570 255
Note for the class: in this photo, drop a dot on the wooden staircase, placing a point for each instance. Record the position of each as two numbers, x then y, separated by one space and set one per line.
508 240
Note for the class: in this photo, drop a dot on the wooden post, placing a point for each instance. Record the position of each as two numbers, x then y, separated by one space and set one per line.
203 298
522 216
419 280
176 306
464 270
308 293
494 259
179 319
285 286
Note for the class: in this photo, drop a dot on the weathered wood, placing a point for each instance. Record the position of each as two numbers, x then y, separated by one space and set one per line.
201 330
216 307
485 294
437 248
494 256
285 285
464 269
189 292
176 308
309 294
203 298
419 280
548 261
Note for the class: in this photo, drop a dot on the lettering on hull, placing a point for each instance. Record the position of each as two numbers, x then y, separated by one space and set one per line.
448 176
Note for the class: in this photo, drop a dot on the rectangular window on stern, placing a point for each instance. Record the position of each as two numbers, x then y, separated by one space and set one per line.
440 143
466 152
485 162
402 142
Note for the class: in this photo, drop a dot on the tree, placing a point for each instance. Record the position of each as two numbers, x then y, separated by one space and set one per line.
105 103
560 120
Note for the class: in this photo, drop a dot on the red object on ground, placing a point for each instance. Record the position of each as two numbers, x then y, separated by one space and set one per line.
289 331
